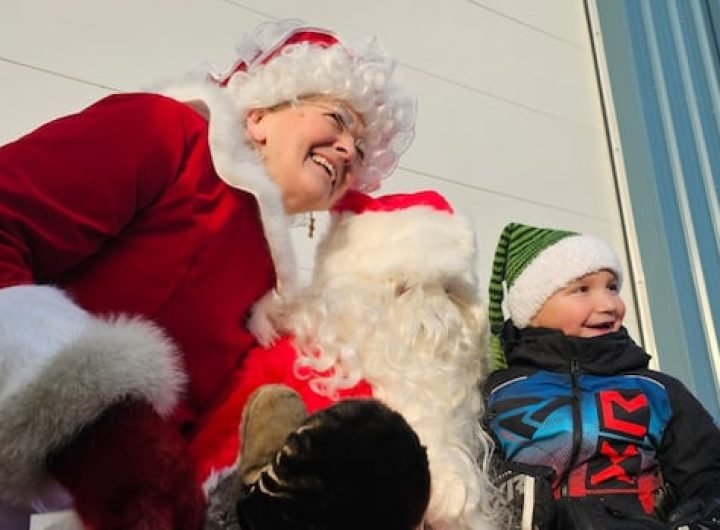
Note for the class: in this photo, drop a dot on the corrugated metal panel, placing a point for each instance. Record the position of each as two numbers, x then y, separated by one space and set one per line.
662 61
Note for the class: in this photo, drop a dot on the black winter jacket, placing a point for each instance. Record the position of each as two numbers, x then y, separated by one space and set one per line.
612 430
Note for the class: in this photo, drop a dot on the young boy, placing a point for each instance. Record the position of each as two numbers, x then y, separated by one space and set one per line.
574 409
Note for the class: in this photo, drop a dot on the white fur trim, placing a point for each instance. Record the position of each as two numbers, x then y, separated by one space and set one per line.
238 165
419 243
35 323
555 267
70 385
216 476
63 520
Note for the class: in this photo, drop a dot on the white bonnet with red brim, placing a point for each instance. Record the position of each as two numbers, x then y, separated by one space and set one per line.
285 61
414 236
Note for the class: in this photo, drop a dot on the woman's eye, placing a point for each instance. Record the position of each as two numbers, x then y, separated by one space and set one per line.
338 120
342 126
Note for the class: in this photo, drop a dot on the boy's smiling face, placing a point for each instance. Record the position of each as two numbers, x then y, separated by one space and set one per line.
587 307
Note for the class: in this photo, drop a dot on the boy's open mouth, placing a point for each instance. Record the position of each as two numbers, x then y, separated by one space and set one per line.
601 326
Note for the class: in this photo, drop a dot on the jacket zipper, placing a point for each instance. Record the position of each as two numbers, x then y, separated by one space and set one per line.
576 424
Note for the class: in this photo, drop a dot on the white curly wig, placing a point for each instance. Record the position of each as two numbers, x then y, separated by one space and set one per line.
272 69
394 301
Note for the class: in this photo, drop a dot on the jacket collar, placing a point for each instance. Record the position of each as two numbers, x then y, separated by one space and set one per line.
550 349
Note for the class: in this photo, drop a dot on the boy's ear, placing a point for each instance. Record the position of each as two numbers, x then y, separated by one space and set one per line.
255 125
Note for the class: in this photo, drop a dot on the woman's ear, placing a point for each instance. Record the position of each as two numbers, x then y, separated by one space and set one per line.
255 125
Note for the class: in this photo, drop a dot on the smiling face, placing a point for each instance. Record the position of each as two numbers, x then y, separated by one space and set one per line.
312 150
586 307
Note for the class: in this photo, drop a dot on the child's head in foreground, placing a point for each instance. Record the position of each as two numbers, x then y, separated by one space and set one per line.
555 279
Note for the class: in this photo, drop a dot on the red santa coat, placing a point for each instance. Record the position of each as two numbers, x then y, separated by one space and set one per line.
137 221
136 206
217 443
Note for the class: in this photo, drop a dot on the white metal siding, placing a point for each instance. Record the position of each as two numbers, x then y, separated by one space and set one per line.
510 125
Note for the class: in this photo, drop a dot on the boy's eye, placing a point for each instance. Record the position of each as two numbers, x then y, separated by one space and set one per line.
613 287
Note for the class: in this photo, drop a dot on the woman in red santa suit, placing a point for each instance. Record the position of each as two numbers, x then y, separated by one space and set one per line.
392 312
135 239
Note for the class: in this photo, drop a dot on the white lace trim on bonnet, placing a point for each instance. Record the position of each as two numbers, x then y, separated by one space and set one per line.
268 72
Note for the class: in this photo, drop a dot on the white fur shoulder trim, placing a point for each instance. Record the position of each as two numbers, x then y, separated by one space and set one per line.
237 163
239 166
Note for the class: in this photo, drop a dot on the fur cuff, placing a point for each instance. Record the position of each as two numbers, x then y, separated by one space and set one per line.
111 360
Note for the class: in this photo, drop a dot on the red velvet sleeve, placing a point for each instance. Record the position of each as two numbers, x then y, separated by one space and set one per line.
68 186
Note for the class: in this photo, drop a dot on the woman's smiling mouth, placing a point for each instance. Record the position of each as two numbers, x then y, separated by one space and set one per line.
326 164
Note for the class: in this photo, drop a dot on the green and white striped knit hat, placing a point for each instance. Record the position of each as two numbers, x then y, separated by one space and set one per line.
531 264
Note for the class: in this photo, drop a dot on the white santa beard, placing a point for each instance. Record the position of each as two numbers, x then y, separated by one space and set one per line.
423 355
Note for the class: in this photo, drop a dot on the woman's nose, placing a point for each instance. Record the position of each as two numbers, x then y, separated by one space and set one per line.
345 145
